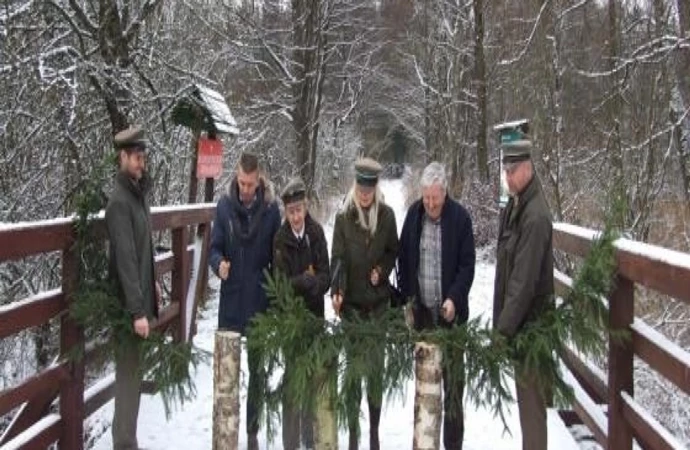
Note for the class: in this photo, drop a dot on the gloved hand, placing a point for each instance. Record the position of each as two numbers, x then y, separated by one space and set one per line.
305 283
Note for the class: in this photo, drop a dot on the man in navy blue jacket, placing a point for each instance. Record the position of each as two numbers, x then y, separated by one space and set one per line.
436 267
247 219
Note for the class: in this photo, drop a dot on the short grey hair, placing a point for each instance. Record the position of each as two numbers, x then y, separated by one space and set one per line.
434 173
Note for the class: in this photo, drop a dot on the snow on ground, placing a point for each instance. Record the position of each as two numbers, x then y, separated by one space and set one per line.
191 427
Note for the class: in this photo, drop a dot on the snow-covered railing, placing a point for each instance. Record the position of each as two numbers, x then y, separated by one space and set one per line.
664 271
64 380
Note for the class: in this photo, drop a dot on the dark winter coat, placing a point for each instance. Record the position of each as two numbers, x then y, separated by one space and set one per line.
127 216
457 258
243 236
356 252
294 258
524 261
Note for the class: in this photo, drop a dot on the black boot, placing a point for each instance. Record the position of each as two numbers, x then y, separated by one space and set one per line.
354 441
252 442
374 419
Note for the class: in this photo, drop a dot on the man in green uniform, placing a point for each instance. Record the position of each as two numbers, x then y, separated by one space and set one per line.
524 269
365 245
127 216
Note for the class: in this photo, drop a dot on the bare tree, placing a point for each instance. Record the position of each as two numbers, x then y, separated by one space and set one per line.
482 93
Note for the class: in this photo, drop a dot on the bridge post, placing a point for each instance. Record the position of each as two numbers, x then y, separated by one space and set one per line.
180 275
71 339
621 316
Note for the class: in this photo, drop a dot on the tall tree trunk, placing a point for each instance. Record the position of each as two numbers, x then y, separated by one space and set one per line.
309 58
618 195
114 50
555 151
683 59
482 100
683 82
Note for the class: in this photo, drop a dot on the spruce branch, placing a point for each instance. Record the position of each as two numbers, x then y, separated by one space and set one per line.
381 347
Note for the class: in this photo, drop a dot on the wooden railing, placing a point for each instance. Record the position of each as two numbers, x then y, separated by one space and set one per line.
34 425
605 402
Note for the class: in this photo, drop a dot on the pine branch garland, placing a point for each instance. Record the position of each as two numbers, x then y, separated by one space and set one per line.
288 332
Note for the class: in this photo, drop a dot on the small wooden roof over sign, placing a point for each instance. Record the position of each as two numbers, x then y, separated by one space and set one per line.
507 125
204 108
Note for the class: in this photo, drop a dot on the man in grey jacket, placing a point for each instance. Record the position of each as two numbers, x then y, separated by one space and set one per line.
524 270
127 217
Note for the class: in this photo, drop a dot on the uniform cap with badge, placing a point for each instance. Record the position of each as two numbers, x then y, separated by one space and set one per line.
515 140
367 172
294 191
132 138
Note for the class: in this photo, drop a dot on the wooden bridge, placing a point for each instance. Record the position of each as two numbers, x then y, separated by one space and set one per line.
605 401
51 406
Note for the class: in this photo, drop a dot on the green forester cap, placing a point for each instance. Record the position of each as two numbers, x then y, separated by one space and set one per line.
131 138
367 171
294 191
515 140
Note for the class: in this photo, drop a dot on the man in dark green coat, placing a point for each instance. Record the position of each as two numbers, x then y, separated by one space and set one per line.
524 270
127 217
365 245
300 252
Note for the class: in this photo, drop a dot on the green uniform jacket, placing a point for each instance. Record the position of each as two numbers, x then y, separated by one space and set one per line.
356 252
524 261
127 216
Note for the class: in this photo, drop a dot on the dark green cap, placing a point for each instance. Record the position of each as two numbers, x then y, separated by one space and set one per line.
367 171
133 138
294 191
515 140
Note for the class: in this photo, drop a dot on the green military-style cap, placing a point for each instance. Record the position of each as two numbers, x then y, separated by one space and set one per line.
367 171
294 191
133 138
515 140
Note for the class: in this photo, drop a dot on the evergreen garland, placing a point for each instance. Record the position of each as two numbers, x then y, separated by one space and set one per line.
288 332
97 309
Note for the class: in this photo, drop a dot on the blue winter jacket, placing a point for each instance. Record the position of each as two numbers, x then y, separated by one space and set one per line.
457 257
243 236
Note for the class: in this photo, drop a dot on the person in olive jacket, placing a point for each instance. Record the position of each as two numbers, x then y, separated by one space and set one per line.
247 219
365 245
127 218
524 270
436 268
300 251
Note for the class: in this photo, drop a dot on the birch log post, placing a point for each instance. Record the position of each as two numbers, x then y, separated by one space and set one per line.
226 390
428 397
325 424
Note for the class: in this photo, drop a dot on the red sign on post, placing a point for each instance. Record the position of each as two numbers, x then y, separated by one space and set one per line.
209 162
